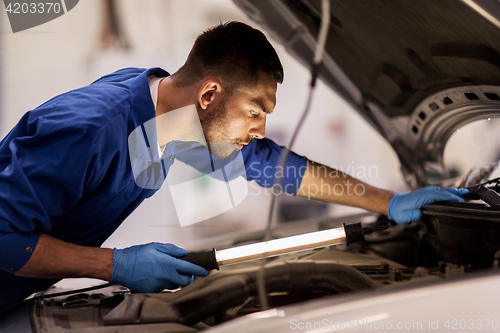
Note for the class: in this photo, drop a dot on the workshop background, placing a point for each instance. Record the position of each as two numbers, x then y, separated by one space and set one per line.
98 37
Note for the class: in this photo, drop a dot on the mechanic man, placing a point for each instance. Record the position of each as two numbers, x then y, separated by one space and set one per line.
67 179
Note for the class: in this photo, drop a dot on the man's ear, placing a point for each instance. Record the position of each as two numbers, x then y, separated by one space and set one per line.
210 91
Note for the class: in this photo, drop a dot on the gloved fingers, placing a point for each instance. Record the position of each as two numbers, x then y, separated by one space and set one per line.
166 283
185 267
457 191
177 280
170 249
404 208
167 275
185 279
427 189
446 195
438 195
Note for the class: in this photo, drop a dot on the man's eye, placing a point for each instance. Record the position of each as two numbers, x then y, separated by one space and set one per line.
253 113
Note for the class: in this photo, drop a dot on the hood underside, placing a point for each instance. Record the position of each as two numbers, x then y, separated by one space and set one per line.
415 70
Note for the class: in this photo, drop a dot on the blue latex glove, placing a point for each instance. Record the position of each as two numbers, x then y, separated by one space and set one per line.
152 267
405 208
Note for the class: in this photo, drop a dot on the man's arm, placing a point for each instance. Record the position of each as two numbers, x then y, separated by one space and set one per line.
55 259
326 184
330 185
145 268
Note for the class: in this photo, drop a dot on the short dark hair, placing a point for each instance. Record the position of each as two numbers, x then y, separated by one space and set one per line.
233 51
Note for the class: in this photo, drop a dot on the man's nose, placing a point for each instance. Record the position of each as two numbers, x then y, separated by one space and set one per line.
258 129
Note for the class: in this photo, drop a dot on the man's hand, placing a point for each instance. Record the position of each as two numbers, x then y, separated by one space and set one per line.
405 208
152 267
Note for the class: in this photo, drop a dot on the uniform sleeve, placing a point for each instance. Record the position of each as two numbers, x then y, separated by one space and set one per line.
43 168
261 163
258 161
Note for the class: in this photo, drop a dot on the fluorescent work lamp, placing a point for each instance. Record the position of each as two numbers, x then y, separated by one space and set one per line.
346 234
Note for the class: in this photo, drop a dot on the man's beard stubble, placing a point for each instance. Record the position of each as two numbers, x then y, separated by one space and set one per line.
214 130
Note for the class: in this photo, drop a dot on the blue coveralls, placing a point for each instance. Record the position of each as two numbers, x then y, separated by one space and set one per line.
65 171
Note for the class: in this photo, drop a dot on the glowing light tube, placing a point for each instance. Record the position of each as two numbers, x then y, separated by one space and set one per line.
212 259
276 247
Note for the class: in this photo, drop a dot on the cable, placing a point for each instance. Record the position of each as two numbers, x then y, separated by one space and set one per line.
318 57
64 293
377 226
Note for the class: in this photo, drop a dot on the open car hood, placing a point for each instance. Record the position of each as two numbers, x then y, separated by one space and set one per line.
415 70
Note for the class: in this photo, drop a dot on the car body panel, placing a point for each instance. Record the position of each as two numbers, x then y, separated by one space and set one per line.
462 304
386 57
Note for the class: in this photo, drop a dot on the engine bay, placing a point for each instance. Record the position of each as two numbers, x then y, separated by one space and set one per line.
451 241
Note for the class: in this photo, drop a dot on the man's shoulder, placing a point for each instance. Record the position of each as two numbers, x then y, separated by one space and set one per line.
124 75
121 75
88 107
106 100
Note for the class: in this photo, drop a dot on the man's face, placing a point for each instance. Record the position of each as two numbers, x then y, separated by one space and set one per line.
239 118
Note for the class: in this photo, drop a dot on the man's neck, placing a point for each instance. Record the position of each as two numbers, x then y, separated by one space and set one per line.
176 114
171 97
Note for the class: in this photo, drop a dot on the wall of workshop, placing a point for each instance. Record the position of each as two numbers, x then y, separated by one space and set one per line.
68 52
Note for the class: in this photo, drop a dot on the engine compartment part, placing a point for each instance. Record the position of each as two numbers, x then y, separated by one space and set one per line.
219 292
463 233
328 274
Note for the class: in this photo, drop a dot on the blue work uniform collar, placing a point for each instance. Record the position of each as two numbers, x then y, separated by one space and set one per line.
140 96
